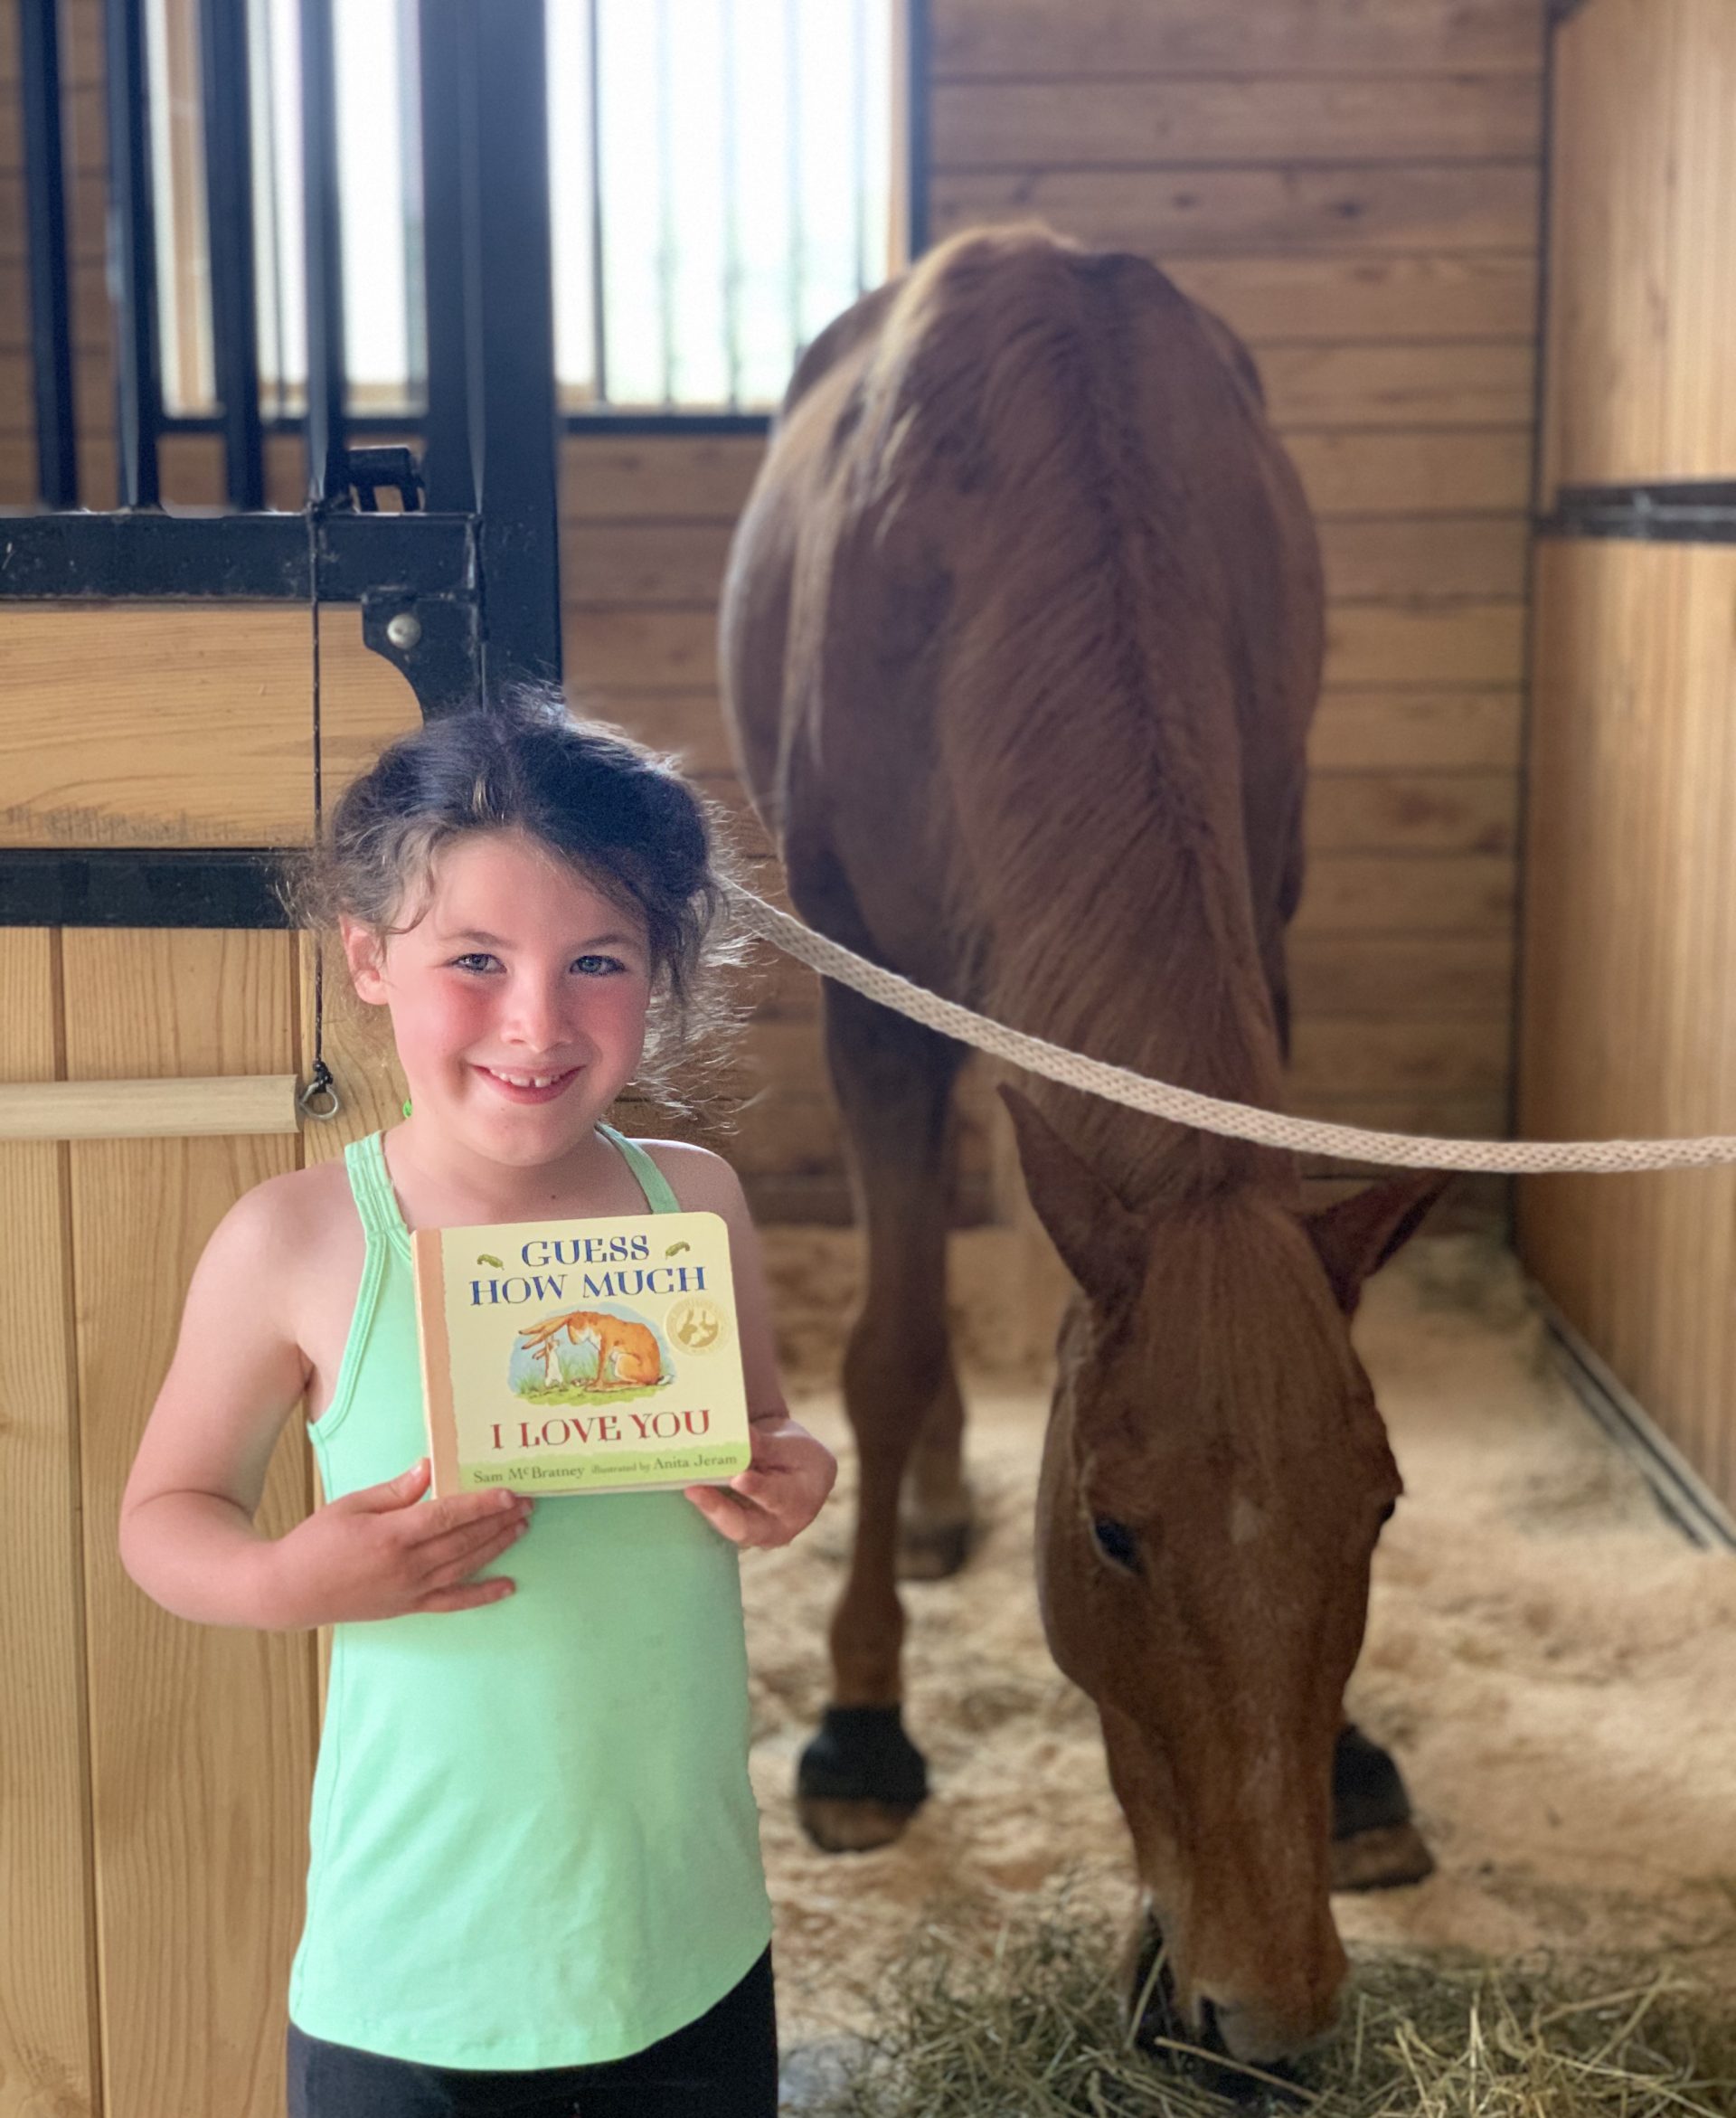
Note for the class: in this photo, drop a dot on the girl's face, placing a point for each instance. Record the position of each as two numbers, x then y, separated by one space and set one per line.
518 999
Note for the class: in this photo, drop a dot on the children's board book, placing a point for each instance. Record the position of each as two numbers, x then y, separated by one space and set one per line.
581 1356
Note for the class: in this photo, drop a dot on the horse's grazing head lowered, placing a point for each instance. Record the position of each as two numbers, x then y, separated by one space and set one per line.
1214 1482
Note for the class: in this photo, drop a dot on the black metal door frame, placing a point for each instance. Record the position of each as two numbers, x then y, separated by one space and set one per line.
461 590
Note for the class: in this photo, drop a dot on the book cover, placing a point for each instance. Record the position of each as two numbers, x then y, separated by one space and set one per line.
581 1356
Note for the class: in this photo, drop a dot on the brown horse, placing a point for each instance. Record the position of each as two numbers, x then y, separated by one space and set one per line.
1022 634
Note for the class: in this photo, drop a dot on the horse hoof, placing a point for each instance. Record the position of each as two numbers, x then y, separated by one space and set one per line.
852 1826
932 1551
1386 1858
860 1780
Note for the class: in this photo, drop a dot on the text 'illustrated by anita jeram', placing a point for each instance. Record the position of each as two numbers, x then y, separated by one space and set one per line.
581 1356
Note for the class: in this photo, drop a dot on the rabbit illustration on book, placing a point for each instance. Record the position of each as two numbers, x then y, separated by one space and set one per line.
627 1356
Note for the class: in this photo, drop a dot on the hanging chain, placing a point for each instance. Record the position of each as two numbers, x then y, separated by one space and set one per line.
319 1099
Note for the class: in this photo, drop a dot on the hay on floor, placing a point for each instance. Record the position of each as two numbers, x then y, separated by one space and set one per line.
1031 2026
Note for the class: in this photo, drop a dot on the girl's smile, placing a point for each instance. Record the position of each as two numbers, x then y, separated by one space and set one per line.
526 1088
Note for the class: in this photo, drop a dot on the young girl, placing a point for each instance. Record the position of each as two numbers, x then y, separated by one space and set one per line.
535 1882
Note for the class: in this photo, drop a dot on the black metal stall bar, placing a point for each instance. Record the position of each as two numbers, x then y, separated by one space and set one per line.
1671 511
132 255
224 89
50 323
511 278
448 152
327 471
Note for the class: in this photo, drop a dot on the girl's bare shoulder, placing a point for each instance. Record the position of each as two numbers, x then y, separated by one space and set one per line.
296 1232
703 1182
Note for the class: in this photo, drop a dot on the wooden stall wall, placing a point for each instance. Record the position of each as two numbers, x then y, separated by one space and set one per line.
1642 300
1355 190
158 1774
1626 1008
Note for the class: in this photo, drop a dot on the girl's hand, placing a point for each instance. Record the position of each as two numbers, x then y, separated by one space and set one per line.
376 1554
779 1493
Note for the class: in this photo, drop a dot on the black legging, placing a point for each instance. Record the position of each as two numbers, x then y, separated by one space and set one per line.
725 2064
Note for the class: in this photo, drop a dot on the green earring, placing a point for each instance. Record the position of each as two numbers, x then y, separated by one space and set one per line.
406 1106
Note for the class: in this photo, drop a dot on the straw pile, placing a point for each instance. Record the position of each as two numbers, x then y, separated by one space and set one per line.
1031 2026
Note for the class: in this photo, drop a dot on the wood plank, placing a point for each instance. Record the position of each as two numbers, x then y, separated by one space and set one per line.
148 1109
1413 812
1479 471
661 564
80 45
81 114
90 305
1402 977
1644 169
1409 386
1320 297
1000 39
1377 558
622 650
1629 1015
154 726
1399 730
684 478
202 1737
1341 1056
1406 205
618 651
1473 642
1360 893
1309 298
86 205
1272 119
181 724
93 393
48 2046
646 563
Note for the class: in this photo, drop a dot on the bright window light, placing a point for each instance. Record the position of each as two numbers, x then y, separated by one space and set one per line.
721 186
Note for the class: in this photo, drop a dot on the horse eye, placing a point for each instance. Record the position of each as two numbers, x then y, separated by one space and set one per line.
1117 1542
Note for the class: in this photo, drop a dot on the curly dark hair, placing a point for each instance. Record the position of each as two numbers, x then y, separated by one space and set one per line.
616 812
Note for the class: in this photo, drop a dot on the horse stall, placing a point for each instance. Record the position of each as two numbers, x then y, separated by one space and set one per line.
1480 253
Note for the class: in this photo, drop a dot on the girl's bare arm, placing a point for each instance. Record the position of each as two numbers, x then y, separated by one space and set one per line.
187 1533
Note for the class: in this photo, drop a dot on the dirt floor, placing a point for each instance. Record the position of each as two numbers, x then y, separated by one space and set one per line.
1553 1664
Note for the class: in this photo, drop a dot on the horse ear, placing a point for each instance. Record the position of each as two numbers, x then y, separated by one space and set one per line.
1101 1243
1354 1238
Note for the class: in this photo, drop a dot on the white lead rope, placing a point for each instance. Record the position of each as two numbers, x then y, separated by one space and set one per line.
1161 1098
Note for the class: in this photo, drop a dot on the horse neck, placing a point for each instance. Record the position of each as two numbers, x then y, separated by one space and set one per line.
1189 1006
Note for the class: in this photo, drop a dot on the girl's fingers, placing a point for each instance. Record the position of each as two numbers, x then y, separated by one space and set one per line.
742 1520
493 1591
471 1546
458 1511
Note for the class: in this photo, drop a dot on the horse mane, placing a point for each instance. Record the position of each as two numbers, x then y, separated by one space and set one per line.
1063 415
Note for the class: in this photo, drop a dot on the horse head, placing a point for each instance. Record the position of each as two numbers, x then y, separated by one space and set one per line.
1214 1480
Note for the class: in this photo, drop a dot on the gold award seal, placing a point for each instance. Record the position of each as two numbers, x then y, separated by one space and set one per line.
696 1324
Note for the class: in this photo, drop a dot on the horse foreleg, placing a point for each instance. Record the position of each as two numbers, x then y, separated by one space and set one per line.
1375 1846
861 1779
934 1523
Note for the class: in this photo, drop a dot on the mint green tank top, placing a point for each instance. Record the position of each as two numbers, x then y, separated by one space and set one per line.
533 1843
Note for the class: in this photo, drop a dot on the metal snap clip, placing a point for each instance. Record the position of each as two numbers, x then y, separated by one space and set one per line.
322 1086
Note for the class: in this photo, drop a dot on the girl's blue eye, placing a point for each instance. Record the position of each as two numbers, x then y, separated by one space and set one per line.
481 959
